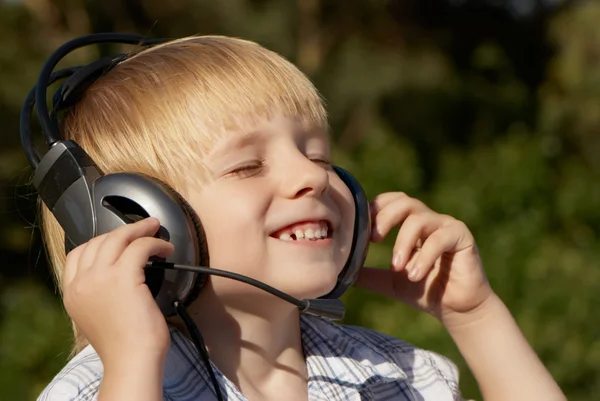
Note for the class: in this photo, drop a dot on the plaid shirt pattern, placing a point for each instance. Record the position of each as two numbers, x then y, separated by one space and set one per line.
344 363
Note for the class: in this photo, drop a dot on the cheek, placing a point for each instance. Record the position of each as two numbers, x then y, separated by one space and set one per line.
233 230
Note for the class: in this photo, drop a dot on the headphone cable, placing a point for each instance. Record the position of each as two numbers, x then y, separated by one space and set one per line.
199 344
332 309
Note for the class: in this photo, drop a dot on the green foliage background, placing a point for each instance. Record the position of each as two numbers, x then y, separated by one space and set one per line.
489 116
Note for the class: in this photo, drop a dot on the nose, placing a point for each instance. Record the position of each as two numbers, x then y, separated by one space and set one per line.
303 177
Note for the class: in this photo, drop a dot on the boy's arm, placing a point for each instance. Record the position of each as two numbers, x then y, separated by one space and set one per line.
501 359
101 276
436 268
132 379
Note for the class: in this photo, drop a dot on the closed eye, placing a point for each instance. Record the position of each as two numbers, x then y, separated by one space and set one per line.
247 170
322 161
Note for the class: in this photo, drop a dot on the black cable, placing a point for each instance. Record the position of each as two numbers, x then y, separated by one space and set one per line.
323 307
302 304
200 346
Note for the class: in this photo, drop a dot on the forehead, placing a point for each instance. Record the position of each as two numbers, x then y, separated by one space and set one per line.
265 130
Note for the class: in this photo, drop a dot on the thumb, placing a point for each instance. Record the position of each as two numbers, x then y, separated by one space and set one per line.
391 284
376 280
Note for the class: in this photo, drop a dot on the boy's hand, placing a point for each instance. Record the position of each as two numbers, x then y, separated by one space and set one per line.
435 264
106 296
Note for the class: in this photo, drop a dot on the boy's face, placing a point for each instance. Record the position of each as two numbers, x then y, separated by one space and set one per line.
271 186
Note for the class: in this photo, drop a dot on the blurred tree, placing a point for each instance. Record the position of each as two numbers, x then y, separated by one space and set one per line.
485 110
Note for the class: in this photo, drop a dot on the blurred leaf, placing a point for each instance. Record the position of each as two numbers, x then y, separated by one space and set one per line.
34 340
450 102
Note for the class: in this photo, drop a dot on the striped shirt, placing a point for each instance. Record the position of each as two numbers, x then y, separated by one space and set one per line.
343 363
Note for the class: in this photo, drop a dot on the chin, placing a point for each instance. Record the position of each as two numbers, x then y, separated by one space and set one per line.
311 289
301 279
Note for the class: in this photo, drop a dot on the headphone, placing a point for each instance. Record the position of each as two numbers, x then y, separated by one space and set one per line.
87 203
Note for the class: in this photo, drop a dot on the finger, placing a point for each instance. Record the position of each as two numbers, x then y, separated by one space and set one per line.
136 255
439 242
465 237
375 280
382 200
119 239
389 284
88 257
71 265
394 214
413 231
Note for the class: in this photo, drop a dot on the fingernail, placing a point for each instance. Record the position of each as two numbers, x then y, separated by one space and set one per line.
397 259
412 274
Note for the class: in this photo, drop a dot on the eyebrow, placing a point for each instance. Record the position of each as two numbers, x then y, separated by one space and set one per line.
241 140
238 141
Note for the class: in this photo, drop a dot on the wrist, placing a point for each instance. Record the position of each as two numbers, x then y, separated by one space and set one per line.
151 363
505 365
133 377
491 306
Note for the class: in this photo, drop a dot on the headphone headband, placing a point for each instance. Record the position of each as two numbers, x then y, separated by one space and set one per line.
82 77
71 91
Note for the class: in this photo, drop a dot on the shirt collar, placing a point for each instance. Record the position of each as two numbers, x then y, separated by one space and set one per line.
336 361
335 356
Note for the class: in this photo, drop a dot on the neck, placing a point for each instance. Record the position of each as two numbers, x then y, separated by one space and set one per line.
258 349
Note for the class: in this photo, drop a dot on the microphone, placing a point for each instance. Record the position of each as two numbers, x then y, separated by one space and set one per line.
332 309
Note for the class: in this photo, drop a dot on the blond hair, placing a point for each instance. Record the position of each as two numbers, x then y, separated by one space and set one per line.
160 111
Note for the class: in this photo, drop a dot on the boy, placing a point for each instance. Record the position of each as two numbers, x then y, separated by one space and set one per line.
242 135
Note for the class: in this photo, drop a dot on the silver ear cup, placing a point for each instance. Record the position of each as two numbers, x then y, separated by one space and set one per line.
119 198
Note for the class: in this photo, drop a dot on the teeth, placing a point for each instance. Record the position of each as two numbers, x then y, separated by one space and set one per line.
308 234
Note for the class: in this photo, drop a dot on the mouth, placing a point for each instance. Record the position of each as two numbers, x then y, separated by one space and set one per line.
304 231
